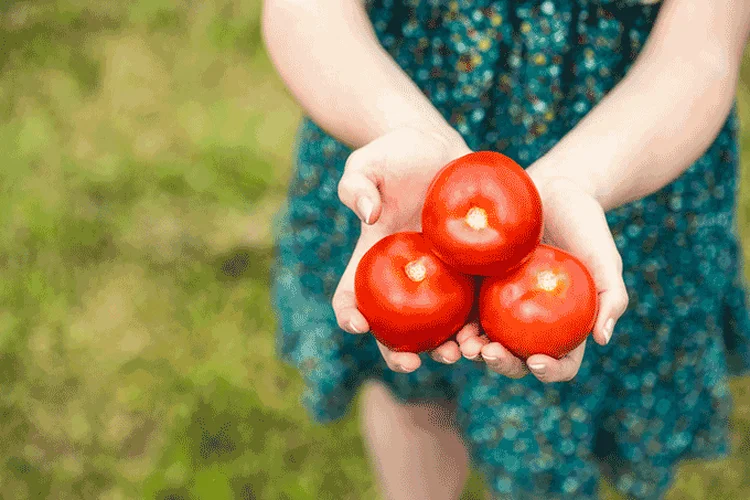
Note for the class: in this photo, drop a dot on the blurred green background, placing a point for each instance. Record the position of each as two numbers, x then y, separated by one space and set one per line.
144 149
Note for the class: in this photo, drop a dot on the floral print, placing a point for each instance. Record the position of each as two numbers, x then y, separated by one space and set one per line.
515 76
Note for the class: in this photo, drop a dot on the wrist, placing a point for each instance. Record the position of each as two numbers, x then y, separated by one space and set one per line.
453 141
549 177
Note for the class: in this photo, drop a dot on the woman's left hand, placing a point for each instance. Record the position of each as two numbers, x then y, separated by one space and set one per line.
573 221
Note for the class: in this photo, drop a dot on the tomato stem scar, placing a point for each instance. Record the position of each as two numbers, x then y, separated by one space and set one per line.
416 271
476 218
547 280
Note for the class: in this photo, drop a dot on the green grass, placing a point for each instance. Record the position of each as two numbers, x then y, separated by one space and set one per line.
143 151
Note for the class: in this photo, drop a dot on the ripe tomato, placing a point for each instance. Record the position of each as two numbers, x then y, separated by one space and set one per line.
546 306
482 214
412 300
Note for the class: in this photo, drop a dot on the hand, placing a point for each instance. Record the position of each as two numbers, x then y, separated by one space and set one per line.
575 222
385 183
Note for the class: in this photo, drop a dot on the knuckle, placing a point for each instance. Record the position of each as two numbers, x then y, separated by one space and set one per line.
625 304
342 323
338 307
353 161
618 262
622 302
343 189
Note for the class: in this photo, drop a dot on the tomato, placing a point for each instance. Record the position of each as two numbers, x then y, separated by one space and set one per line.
412 300
482 214
546 306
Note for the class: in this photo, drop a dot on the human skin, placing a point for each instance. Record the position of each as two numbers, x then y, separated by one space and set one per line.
359 95
665 112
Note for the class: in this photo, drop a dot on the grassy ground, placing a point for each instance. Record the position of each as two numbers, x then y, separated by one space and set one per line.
143 151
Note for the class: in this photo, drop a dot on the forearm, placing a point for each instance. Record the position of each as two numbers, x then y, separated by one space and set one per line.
664 114
329 57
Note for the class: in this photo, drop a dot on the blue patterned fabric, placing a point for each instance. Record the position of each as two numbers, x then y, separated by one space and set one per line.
515 76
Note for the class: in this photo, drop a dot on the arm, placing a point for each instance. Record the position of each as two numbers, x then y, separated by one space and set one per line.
352 89
329 57
664 113
651 127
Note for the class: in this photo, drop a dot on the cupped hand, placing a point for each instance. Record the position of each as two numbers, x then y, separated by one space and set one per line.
385 183
573 221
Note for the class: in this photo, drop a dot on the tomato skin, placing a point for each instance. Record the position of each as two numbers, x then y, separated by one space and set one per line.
483 214
546 306
408 315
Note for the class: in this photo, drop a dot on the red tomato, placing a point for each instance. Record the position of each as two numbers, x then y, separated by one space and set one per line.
482 214
546 306
412 300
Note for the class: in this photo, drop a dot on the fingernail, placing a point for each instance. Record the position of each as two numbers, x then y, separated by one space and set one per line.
364 206
400 368
472 358
492 353
537 368
354 328
609 326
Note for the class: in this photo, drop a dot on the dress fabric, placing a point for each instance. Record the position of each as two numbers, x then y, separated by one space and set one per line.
514 77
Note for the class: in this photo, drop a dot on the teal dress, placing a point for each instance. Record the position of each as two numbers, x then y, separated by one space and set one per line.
515 77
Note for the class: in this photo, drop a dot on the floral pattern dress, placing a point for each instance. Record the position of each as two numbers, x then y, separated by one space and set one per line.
514 77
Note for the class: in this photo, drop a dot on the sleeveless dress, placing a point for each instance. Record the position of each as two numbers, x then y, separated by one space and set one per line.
514 77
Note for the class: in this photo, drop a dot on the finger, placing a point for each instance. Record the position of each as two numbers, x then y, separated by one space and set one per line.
358 187
347 315
590 239
606 269
403 362
605 265
344 300
549 369
472 347
613 302
447 353
501 361
344 303
469 330
470 341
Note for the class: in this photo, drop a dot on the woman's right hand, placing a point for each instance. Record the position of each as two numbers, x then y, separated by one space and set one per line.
385 183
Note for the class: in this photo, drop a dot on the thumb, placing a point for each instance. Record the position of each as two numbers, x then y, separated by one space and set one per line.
344 300
358 187
613 296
